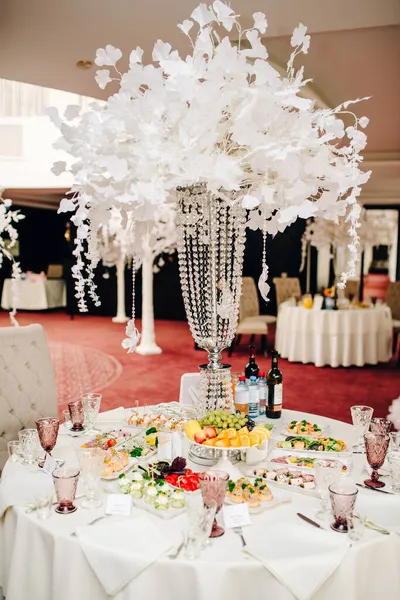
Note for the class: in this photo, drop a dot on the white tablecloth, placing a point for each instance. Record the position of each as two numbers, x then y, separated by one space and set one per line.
38 294
40 560
334 337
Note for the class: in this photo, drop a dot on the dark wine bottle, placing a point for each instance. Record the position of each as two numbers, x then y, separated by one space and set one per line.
251 369
274 386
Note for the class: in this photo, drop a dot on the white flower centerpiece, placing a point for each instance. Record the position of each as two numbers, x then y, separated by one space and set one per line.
223 131
8 239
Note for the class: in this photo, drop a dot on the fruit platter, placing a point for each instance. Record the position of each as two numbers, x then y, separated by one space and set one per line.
110 439
287 478
321 444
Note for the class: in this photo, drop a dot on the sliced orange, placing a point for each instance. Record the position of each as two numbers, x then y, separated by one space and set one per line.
223 443
210 442
244 440
243 431
235 442
262 434
230 433
254 439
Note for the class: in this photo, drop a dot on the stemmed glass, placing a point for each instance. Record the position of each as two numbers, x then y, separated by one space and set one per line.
361 417
47 429
28 439
343 498
380 425
77 416
213 489
327 472
91 406
91 461
376 446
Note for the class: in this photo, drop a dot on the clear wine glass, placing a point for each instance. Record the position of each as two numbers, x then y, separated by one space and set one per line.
91 461
47 429
91 406
29 442
376 446
327 472
361 417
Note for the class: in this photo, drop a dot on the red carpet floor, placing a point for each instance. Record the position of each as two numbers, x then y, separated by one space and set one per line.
87 352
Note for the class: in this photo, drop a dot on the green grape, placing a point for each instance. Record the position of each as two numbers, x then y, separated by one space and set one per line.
237 426
242 422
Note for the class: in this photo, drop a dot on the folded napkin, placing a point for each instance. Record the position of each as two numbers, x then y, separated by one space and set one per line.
301 557
20 486
119 550
116 415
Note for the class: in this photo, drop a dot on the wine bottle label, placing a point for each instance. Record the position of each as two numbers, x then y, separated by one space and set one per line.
278 392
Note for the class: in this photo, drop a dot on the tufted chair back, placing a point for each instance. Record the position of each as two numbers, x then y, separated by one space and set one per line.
27 388
286 288
249 305
393 299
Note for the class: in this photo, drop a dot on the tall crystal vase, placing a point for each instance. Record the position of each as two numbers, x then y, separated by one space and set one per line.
211 240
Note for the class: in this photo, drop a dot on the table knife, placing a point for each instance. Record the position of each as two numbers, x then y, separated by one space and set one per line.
308 520
368 487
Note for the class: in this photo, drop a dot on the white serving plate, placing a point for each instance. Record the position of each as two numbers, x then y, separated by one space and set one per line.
344 457
163 514
313 453
131 463
280 496
284 486
324 431
134 442
262 446
129 435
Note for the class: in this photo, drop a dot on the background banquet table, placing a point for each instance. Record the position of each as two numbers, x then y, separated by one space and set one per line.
334 337
35 294
40 559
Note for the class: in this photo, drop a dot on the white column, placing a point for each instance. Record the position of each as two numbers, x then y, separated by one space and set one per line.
323 267
148 340
120 316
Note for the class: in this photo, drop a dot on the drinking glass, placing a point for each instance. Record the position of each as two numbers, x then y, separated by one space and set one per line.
394 441
380 425
66 416
65 483
361 417
343 498
91 461
77 415
376 446
327 472
355 526
213 489
13 447
394 469
43 504
29 441
47 429
200 520
91 407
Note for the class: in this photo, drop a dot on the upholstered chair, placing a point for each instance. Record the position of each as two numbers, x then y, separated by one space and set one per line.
393 301
250 321
189 392
286 288
27 387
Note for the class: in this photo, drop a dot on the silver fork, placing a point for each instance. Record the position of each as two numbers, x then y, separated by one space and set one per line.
238 531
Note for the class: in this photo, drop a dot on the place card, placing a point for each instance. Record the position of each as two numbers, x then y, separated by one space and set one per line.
119 504
50 464
164 449
236 515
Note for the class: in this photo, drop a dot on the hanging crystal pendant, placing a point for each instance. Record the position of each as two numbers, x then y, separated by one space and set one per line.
211 240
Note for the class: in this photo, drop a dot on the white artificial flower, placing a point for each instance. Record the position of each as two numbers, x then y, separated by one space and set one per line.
133 336
186 26
249 202
260 22
72 111
394 413
135 56
299 38
59 167
102 78
108 56
363 122
225 14
52 113
66 205
203 15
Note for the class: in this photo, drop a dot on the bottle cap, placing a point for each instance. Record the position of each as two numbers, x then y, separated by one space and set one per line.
253 378
242 378
261 374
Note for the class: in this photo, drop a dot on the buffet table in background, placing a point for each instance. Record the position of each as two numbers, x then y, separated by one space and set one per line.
356 336
35 294
41 559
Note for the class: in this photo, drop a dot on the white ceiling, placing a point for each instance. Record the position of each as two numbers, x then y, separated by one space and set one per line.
355 51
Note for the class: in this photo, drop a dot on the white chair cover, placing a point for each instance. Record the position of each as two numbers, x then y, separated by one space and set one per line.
189 391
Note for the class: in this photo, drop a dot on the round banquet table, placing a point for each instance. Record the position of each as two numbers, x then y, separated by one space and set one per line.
40 560
334 337
35 294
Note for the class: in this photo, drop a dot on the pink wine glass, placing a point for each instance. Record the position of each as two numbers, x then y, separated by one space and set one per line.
77 415
376 446
47 429
213 489
380 425
65 483
343 498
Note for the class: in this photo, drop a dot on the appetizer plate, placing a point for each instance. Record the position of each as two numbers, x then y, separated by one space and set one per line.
106 440
284 485
138 442
170 513
307 426
280 497
304 450
279 458
131 463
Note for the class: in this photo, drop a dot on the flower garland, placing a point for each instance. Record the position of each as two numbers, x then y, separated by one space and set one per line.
8 218
222 116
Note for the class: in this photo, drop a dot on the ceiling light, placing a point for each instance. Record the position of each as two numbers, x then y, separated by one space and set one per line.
84 64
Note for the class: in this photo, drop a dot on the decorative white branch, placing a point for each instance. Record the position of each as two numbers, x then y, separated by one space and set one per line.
8 239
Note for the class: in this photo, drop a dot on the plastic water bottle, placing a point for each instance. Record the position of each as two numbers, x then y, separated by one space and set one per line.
254 401
242 396
262 384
